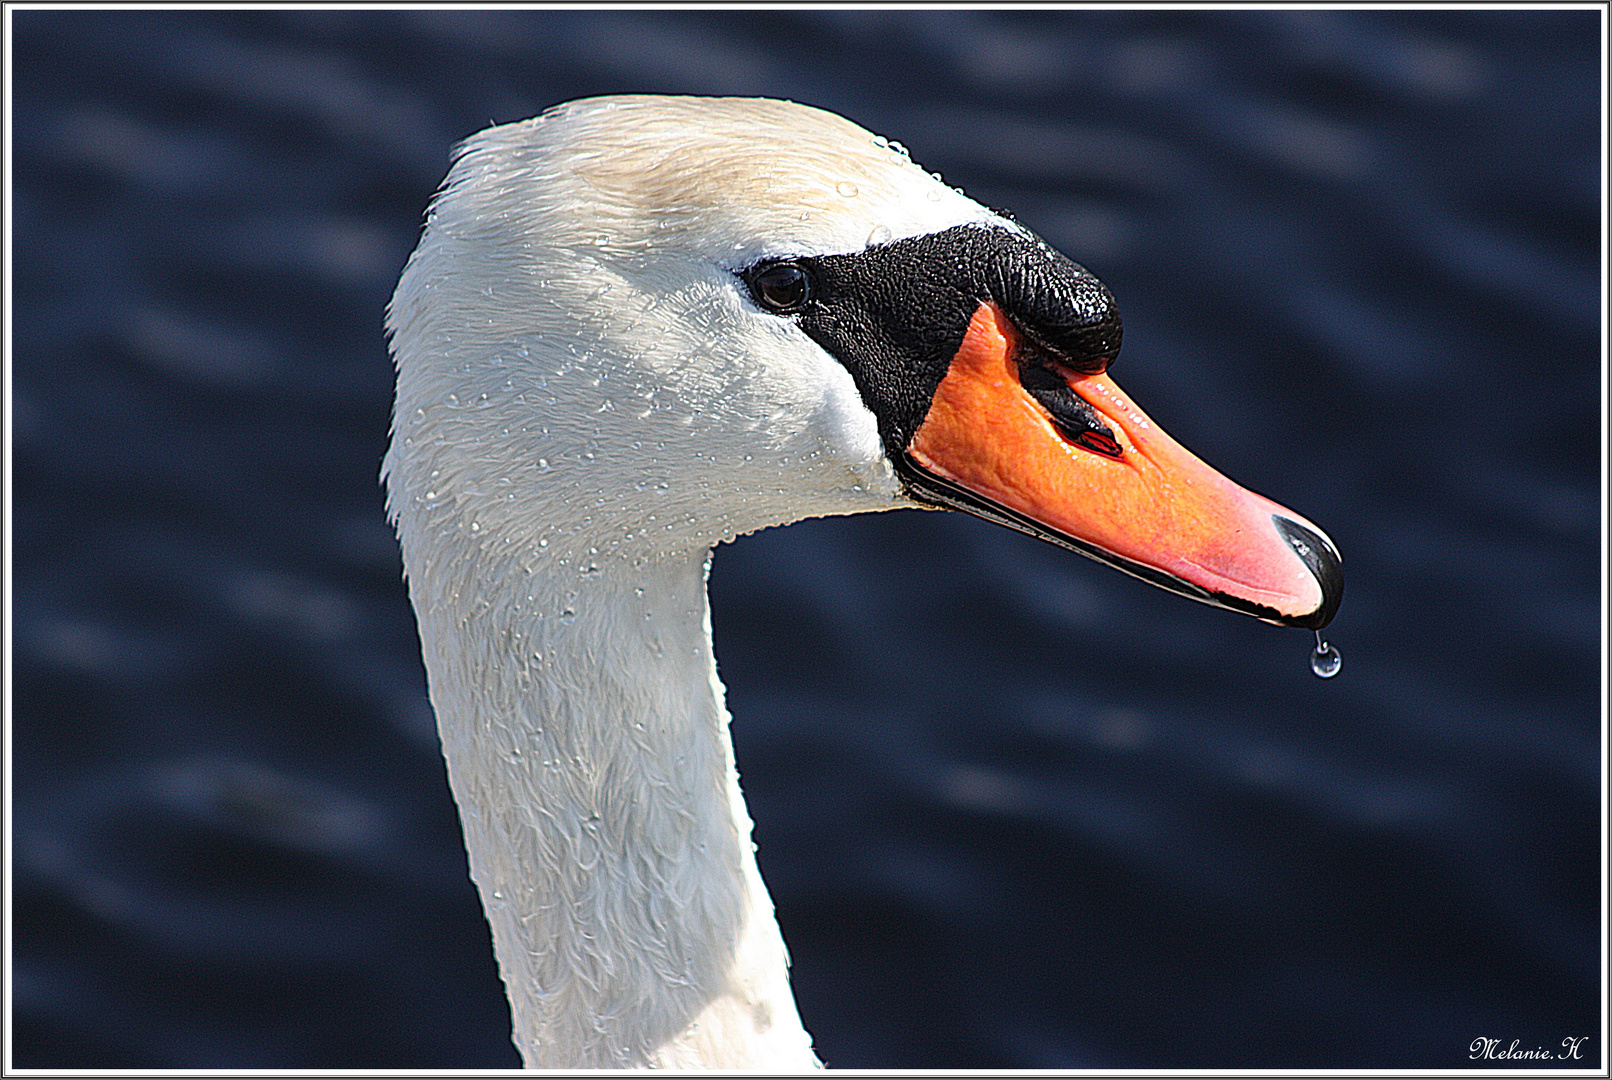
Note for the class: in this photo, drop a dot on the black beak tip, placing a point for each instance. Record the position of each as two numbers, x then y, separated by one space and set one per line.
1323 561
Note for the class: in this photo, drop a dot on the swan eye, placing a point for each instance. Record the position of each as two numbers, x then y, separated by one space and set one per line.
782 287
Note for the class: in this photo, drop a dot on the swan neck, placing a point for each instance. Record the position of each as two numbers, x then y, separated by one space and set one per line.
587 745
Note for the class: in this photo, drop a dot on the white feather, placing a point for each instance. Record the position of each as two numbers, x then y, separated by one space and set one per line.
587 402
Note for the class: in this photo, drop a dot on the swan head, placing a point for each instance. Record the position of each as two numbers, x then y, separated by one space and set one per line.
642 324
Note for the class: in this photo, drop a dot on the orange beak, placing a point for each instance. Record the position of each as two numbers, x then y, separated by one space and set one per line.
1101 478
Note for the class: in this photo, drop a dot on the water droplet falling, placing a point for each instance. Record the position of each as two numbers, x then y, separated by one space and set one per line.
1325 661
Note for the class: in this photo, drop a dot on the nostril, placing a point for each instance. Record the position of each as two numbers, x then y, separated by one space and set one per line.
1070 412
1099 442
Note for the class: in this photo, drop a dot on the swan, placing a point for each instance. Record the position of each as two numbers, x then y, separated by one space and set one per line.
635 327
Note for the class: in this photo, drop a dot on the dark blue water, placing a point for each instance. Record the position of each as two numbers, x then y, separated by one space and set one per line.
1015 809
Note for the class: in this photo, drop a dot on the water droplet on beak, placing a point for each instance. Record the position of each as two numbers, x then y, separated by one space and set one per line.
1325 661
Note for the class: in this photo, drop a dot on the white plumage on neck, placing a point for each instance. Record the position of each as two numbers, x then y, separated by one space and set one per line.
588 749
586 404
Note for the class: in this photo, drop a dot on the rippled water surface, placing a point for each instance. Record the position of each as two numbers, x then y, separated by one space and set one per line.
1015 809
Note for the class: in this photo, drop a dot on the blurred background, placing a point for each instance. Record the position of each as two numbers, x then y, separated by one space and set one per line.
1016 809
